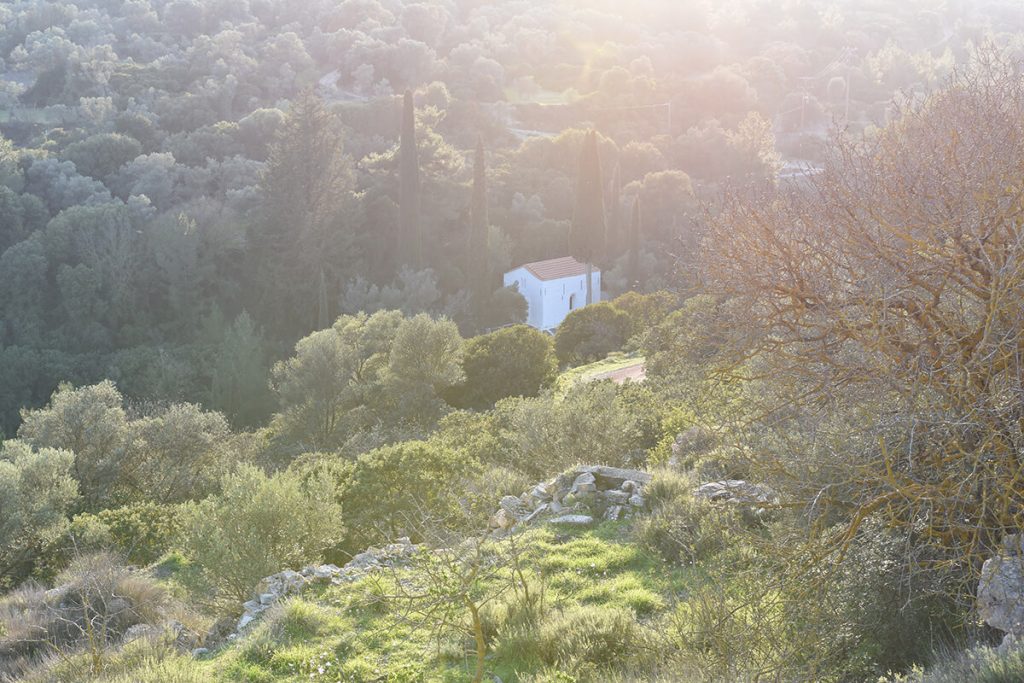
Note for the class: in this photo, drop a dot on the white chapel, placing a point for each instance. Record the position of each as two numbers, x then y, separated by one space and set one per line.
552 289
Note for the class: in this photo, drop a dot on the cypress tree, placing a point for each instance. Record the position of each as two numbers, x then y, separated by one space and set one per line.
323 314
616 240
410 246
633 264
477 268
587 233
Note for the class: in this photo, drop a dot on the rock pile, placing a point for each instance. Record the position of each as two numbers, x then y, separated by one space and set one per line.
1001 592
276 587
575 497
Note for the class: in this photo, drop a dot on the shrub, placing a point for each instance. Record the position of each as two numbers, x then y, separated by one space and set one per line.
96 602
885 612
595 422
515 361
680 528
36 490
259 525
393 490
491 484
587 634
591 333
143 531
145 660
645 311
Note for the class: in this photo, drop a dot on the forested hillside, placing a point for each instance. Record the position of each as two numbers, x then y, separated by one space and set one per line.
252 324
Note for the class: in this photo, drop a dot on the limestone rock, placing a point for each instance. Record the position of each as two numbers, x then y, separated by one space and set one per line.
515 508
574 520
736 491
616 497
138 631
1001 589
613 513
615 477
584 483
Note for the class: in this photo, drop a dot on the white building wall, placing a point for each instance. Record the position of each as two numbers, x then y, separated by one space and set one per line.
530 288
550 301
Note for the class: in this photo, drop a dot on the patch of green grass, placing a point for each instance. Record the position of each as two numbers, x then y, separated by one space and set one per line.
595 580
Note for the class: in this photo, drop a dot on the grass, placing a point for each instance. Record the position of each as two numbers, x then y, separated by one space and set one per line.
593 579
587 373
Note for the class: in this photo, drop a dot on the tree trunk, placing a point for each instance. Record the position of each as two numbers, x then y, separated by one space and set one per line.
478 636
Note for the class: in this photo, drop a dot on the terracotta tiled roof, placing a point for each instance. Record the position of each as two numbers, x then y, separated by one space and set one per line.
556 268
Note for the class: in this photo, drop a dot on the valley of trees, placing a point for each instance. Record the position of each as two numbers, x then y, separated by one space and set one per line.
252 318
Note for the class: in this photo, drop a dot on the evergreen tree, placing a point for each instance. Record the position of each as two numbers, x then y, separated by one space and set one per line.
410 245
477 268
587 238
306 186
239 388
633 263
616 239
323 316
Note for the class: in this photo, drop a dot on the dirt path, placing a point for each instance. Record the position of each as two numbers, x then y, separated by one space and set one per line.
636 372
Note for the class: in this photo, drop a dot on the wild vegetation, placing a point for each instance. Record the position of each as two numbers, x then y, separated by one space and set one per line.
252 320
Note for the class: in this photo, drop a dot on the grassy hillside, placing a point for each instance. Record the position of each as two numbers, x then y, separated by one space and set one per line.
598 599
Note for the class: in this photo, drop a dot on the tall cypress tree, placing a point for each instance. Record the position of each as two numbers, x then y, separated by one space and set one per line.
633 263
616 239
587 234
410 244
477 267
323 314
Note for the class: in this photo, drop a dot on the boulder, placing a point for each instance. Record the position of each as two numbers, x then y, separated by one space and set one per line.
616 497
515 508
541 492
613 513
1001 591
636 500
584 483
615 477
138 631
736 491
573 520
325 571
502 519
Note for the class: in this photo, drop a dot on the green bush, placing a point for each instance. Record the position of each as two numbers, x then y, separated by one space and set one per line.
645 311
587 635
681 529
36 491
594 423
885 610
141 532
514 361
258 526
591 333
484 490
392 491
